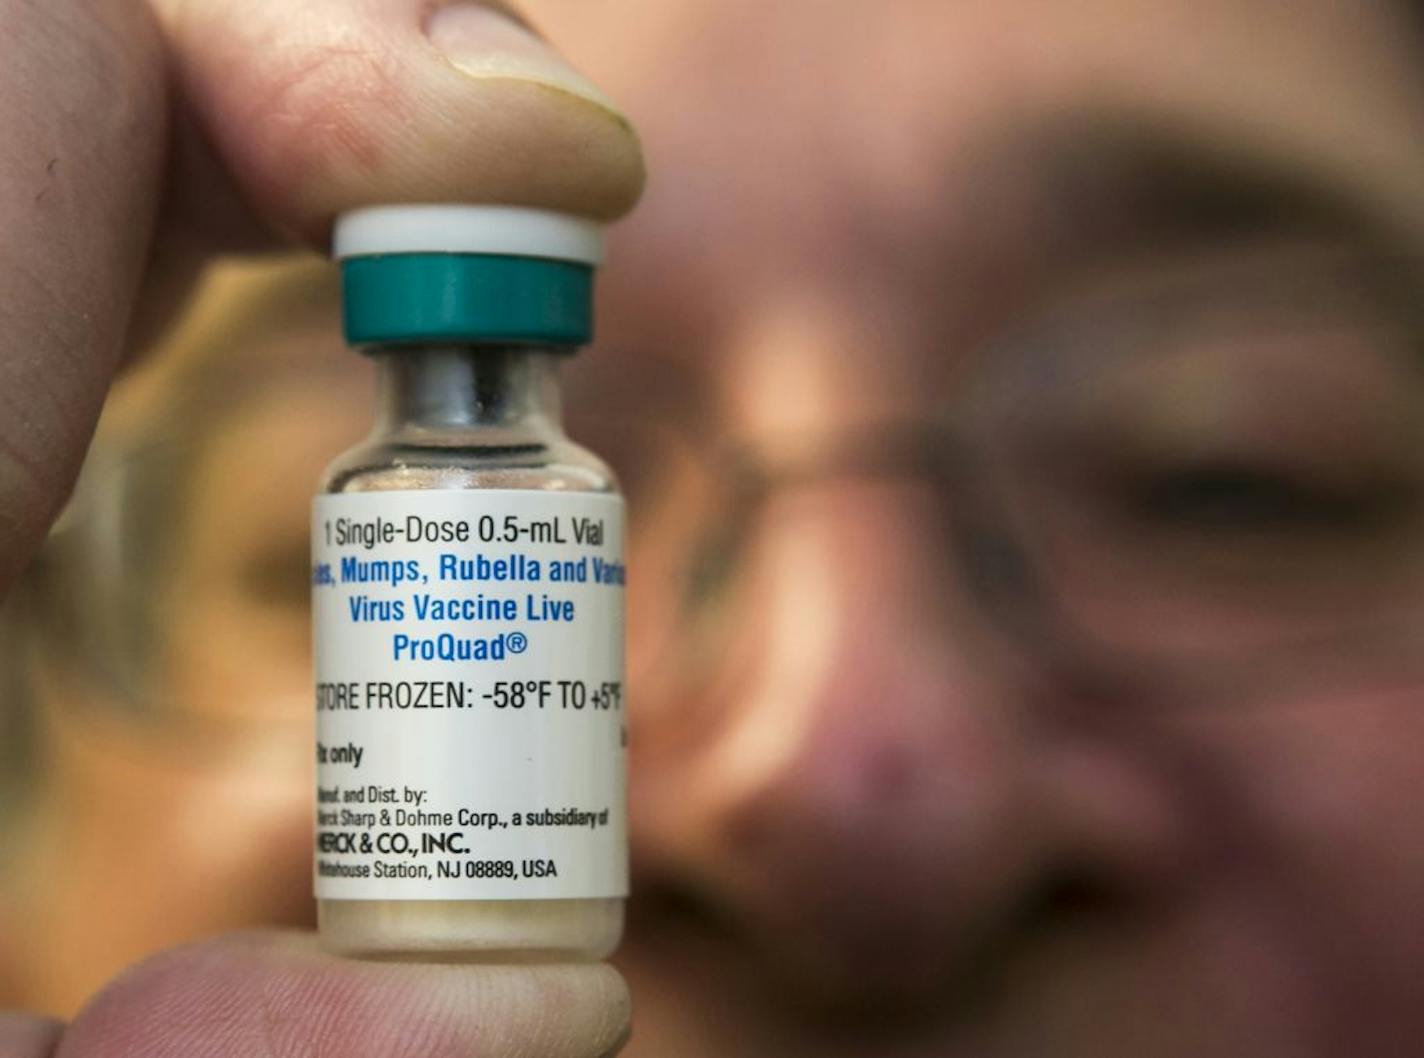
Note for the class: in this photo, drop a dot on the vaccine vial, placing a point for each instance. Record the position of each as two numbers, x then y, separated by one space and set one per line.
468 594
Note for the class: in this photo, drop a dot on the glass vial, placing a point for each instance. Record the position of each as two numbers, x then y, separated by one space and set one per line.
468 605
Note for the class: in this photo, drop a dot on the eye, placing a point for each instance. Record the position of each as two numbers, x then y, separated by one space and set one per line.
1229 496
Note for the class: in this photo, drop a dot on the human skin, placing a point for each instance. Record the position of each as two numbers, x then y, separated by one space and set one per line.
1257 883
837 217
118 180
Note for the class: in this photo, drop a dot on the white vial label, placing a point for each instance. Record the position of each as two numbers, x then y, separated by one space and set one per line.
469 695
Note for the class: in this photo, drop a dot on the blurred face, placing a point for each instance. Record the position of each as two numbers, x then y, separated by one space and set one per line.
1019 405
1053 740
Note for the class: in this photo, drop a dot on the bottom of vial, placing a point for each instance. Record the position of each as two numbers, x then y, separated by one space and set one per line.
473 930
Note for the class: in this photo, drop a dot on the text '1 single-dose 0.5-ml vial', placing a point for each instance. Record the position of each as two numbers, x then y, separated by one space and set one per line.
468 593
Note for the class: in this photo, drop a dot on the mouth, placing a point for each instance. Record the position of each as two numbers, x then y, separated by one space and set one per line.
872 985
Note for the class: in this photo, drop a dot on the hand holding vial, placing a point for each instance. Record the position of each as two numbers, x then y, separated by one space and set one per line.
281 116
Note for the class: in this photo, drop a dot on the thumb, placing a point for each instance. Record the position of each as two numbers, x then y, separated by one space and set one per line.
279 994
323 106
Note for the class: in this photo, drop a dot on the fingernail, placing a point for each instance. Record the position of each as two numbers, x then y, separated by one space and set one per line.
483 42
623 1038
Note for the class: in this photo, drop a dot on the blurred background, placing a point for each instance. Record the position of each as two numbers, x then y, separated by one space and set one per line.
1021 408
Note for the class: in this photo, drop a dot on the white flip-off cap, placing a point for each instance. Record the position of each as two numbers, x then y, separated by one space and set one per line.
514 231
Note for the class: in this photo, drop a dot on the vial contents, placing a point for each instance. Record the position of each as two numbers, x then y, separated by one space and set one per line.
468 587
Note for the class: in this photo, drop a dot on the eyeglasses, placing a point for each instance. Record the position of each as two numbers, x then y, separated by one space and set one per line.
1203 486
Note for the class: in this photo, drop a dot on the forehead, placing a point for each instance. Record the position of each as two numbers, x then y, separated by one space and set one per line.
835 176
765 115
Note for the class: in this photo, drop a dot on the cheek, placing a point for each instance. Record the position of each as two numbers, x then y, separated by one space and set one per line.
239 675
1317 807
155 833
1341 777
242 672
236 660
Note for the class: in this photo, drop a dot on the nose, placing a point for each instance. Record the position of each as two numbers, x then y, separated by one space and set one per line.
857 797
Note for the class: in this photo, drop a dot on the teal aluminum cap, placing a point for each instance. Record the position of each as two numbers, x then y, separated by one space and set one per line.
497 274
421 297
